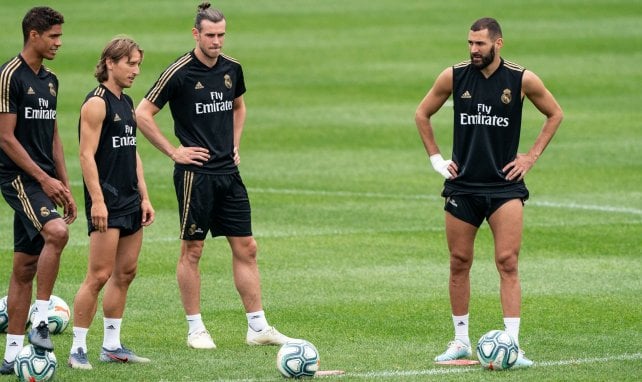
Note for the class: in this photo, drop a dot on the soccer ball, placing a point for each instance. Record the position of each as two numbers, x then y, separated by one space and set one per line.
4 315
59 315
35 365
297 358
497 350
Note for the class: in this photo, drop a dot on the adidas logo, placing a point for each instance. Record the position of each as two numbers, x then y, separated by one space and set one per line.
13 343
461 323
30 91
466 95
116 117
454 204
110 327
199 85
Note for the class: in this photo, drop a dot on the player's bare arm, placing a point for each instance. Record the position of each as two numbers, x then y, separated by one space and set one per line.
430 105
534 89
69 204
239 123
52 187
145 113
145 203
92 115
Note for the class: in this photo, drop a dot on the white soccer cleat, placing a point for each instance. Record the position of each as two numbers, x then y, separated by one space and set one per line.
200 340
522 362
268 336
456 350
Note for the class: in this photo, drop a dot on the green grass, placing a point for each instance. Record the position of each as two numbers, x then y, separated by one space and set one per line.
347 211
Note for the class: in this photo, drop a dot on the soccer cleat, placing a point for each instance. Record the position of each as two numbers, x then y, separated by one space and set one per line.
268 336
78 360
456 350
40 338
121 355
7 367
200 340
522 362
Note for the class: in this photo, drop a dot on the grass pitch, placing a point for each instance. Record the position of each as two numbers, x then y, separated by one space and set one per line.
346 208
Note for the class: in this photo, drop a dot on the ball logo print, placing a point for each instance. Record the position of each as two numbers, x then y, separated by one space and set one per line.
35 365
297 358
497 350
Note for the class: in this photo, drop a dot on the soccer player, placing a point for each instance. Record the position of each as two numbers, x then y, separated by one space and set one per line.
485 178
205 89
116 201
33 178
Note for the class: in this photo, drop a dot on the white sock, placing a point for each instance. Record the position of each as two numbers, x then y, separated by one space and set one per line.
195 323
256 320
15 343
511 325
80 340
42 312
111 337
461 328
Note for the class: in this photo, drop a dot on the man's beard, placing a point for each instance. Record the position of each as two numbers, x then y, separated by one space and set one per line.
486 60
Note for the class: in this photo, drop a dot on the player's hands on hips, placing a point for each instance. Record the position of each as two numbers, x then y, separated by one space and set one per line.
447 168
190 155
517 169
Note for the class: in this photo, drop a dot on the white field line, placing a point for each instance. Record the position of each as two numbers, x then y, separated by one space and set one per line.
375 195
453 370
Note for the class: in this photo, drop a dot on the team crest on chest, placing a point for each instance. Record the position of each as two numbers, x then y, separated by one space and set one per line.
506 96
52 89
228 81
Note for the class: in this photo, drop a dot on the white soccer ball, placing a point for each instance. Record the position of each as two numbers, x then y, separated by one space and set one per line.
32 365
297 358
4 315
59 315
497 350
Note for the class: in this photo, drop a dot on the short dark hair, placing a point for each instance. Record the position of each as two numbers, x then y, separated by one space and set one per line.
206 12
40 19
494 30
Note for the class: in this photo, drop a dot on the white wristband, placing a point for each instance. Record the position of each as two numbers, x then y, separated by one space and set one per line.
441 165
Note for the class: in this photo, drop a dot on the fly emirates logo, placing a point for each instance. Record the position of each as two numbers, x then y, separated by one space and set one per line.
483 117
128 140
217 104
42 112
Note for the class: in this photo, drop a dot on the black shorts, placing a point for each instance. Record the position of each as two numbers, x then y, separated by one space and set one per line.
32 210
474 209
127 224
215 203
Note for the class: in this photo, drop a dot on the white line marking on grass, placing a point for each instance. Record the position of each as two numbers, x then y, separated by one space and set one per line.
537 203
451 370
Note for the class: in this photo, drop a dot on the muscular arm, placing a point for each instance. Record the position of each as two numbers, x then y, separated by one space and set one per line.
146 205
239 123
534 89
55 189
92 115
432 102
146 123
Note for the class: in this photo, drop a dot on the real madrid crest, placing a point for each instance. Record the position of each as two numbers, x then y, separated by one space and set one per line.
506 96
52 89
228 81
44 212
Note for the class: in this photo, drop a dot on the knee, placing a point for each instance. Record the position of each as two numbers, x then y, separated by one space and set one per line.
460 262
56 233
247 250
191 252
25 272
126 276
507 264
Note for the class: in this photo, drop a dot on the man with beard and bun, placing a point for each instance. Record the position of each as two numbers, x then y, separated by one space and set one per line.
117 205
33 178
485 178
204 89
